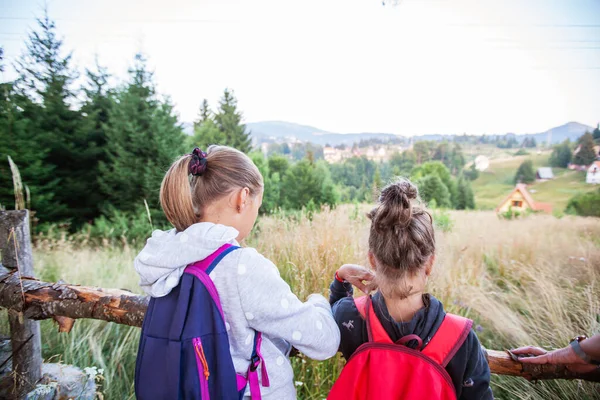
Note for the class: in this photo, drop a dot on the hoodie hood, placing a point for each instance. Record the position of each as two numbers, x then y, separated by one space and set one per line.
166 254
424 323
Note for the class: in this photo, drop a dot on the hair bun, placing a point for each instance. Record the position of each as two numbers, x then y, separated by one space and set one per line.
400 192
395 208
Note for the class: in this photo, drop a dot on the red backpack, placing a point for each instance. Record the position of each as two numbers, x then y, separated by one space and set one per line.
382 369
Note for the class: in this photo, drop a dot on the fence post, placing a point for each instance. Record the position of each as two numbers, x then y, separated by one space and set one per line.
17 255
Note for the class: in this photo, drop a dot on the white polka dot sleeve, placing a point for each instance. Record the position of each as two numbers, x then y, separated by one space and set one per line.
270 307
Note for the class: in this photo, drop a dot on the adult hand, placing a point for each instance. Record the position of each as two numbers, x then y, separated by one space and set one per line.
566 356
358 276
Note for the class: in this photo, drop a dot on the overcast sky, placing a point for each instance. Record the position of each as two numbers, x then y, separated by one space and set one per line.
423 66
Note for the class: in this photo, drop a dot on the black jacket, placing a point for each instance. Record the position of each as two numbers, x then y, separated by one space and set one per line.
468 369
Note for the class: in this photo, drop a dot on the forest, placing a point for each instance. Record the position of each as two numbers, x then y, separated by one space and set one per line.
92 154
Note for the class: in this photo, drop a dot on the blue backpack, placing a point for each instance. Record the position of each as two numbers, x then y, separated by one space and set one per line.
184 349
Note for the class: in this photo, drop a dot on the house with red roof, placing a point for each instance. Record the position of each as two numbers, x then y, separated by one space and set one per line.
520 200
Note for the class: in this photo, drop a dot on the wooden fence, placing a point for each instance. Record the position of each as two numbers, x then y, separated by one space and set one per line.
29 300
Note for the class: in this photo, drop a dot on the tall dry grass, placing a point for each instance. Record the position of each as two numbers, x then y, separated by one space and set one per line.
530 281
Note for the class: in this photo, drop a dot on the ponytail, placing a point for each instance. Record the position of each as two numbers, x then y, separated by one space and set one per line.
176 196
196 180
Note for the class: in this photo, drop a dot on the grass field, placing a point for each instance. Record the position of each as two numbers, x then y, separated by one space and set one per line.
533 281
494 184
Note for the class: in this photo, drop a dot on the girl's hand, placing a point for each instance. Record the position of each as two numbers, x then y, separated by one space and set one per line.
358 276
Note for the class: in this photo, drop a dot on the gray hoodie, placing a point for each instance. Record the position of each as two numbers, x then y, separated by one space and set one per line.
253 296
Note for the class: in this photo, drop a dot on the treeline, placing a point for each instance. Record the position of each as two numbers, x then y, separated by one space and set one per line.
436 168
582 152
90 151
96 152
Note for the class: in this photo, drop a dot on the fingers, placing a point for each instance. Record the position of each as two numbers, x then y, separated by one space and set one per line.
529 350
543 359
356 281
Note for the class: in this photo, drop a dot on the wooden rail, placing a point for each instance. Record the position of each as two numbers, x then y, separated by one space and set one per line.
65 303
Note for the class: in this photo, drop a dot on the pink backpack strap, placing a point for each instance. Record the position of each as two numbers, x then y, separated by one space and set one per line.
206 266
451 334
375 330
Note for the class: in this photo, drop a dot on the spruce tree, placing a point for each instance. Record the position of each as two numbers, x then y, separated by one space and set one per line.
278 164
465 198
143 139
431 187
206 131
46 77
19 140
98 101
229 121
525 173
586 154
561 155
377 185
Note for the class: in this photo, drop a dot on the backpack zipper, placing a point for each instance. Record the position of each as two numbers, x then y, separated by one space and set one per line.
203 372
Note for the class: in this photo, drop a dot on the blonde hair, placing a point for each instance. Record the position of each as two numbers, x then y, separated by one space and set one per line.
183 196
401 238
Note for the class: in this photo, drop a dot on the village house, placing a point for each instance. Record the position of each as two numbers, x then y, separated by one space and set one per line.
593 173
544 174
520 200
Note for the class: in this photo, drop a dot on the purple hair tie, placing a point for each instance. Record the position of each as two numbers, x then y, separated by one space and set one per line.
198 163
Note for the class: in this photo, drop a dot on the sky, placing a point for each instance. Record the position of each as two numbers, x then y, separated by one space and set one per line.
347 66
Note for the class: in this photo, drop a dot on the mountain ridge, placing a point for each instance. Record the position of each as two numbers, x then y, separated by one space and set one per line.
270 131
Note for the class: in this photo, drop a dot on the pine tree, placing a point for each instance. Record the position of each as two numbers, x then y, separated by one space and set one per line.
205 113
99 99
525 173
229 121
46 77
596 133
431 188
19 140
561 155
278 164
457 160
308 181
465 198
377 185
438 169
586 154
206 131
143 139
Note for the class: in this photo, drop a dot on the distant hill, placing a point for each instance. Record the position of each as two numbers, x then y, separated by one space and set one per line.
570 130
277 131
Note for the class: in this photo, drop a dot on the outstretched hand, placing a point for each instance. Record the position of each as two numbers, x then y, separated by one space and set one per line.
566 356
359 276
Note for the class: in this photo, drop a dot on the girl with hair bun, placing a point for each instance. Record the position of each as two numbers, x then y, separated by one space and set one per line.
401 312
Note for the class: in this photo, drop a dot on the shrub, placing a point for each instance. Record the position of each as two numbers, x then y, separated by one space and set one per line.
585 204
442 220
522 152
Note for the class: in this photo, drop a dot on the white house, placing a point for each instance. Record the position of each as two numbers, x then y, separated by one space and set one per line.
593 173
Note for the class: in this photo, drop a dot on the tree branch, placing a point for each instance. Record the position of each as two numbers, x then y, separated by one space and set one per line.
43 300
64 302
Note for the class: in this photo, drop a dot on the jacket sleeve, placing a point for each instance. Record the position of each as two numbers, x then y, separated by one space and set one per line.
339 290
352 327
270 307
475 380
